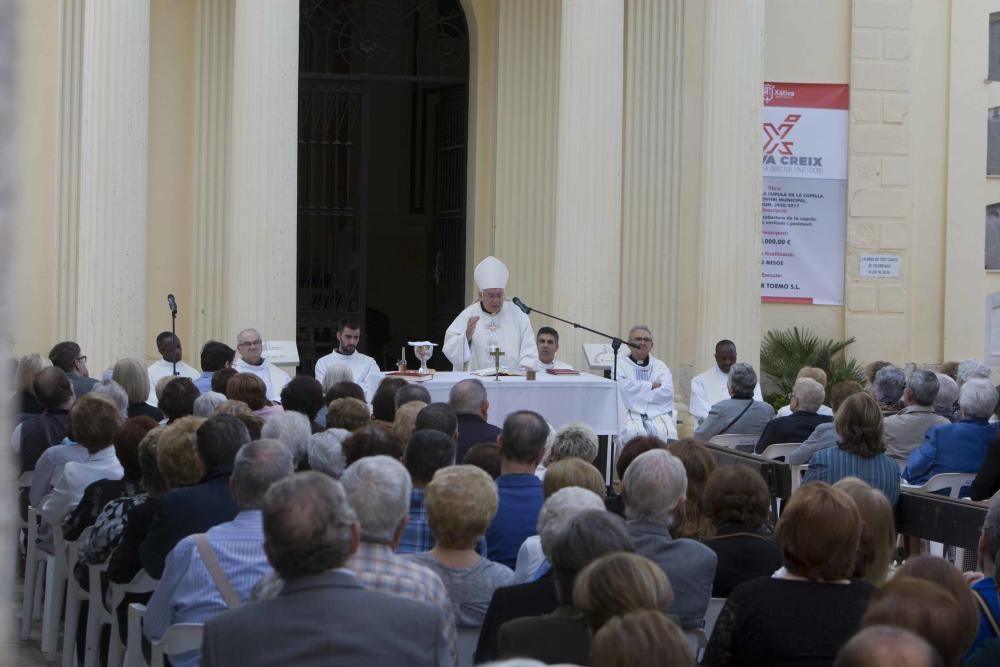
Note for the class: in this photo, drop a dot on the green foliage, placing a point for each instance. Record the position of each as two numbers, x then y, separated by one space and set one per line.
783 353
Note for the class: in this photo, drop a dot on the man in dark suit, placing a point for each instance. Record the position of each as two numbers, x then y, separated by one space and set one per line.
807 397
195 509
323 615
654 487
468 398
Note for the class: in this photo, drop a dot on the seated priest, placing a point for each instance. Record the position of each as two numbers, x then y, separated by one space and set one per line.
548 344
710 387
647 390
491 323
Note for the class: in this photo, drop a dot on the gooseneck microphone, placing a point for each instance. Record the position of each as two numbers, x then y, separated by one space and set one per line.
520 304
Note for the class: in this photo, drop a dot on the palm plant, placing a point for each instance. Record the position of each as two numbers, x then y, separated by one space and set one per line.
784 352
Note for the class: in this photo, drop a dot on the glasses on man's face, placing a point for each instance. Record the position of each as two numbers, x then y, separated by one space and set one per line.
640 341
82 358
249 343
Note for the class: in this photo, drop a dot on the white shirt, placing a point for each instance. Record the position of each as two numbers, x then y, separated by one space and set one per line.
275 378
162 368
709 388
823 410
366 372
510 329
542 366
76 477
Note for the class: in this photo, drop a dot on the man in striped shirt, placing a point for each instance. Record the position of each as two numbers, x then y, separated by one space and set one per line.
201 581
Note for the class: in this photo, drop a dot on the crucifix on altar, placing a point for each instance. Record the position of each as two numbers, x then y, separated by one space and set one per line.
496 353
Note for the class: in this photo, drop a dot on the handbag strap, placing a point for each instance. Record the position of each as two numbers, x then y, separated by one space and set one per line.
737 418
987 612
222 582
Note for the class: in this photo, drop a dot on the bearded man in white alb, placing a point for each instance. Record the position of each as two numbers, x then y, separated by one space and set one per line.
250 346
491 322
647 389
364 369
710 387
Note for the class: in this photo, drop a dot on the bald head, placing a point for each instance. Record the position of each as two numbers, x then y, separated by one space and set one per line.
887 646
52 388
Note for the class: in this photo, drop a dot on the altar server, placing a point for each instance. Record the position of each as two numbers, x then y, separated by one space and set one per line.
548 344
710 387
364 369
169 347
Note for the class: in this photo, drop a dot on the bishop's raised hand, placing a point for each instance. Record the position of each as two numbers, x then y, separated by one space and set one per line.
470 327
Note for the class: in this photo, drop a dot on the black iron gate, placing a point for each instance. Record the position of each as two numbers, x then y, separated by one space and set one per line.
347 47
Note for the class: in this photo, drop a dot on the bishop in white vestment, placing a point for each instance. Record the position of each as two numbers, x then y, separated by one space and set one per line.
490 321
647 389
710 387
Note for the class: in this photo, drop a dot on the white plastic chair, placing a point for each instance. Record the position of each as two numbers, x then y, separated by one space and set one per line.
780 452
31 605
141 583
179 638
715 606
98 615
133 647
698 640
55 589
75 596
738 441
952 481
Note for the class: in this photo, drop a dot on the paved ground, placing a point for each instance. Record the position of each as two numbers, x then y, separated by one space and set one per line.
23 653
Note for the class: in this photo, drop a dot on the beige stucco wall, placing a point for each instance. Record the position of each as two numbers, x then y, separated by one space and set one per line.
169 266
35 253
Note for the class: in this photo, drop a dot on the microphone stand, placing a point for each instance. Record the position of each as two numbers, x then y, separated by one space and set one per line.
616 344
173 332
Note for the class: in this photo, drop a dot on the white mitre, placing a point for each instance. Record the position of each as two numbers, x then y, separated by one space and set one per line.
491 273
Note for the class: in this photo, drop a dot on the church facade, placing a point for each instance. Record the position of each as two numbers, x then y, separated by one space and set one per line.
613 161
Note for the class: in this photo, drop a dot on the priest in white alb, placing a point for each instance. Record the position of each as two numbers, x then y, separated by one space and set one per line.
710 387
491 322
647 390
365 369
548 344
169 347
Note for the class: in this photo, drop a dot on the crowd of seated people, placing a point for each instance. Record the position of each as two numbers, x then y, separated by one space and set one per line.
323 529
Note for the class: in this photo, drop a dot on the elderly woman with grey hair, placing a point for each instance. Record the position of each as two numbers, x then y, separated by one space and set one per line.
558 509
945 403
888 389
573 441
326 451
958 447
204 405
292 429
740 413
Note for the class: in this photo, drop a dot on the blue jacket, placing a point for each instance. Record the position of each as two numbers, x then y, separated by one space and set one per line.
958 447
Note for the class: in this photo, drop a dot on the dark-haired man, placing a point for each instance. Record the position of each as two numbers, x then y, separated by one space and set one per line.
366 371
169 347
427 452
548 344
522 446
710 387
67 356
214 357
194 509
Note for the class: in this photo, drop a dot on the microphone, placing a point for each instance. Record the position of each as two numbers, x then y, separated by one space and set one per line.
520 304
172 303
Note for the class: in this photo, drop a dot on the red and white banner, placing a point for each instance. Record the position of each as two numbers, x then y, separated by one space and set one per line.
804 193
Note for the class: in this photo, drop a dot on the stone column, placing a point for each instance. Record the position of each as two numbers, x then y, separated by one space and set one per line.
651 186
113 172
728 280
213 110
586 274
260 236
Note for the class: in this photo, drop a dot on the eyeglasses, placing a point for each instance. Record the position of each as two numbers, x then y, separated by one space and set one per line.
642 340
249 343
82 358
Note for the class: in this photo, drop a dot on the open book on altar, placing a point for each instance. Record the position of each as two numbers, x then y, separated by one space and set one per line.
489 372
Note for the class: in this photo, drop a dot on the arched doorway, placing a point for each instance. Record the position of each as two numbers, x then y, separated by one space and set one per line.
383 118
